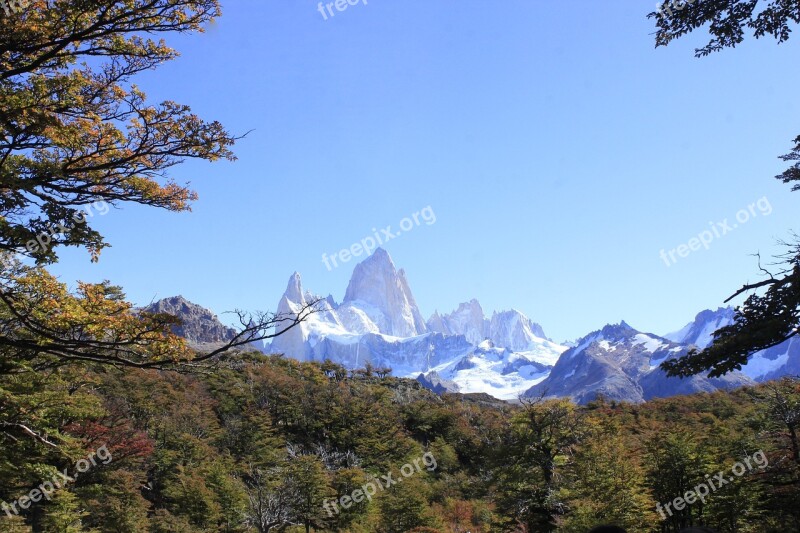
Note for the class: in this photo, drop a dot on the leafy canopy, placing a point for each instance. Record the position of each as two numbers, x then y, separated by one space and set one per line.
770 318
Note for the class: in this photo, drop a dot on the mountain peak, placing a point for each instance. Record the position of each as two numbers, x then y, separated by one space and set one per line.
381 252
721 312
198 324
379 257
386 292
618 331
514 330
294 289
700 332
468 320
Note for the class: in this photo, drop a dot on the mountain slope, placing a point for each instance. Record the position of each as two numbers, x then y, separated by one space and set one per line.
621 363
379 323
773 363
500 372
468 320
380 290
199 325
505 356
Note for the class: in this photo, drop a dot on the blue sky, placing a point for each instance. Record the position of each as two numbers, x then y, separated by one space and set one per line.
559 151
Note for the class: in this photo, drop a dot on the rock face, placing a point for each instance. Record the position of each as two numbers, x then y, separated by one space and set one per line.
381 291
364 329
432 381
407 357
291 341
515 331
621 363
468 320
778 361
378 322
294 341
506 329
506 356
199 325
700 333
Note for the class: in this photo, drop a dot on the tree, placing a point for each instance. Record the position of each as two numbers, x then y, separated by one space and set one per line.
63 514
313 488
607 485
271 497
74 136
404 507
781 402
726 21
78 137
118 501
293 493
42 321
767 320
676 463
542 436
777 422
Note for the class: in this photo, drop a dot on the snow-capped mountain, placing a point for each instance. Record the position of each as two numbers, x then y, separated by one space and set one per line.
498 371
506 329
515 331
379 322
621 363
768 364
468 320
506 355
378 289
700 332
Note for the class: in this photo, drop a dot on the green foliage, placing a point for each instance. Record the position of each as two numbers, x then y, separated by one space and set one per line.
217 452
117 500
64 515
404 507
606 485
769 319
727 22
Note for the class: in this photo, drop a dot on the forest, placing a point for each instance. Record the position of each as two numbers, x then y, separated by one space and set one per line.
266 443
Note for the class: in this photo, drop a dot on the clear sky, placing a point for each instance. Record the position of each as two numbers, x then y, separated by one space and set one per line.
559 151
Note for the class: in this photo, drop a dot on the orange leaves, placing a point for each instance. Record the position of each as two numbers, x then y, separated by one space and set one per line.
79 134
94 323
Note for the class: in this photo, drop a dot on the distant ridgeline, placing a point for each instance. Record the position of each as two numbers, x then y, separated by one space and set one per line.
506 355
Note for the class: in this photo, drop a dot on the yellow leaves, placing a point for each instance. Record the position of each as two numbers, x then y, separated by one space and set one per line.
119 92
171 195
96 319
90 127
